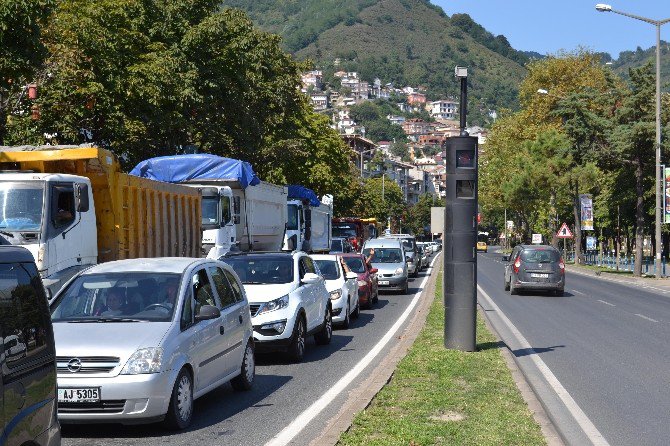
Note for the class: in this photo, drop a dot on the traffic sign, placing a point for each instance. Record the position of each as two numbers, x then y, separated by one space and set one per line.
564 232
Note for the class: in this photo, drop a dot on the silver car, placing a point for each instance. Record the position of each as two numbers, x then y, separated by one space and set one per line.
390 259
138 340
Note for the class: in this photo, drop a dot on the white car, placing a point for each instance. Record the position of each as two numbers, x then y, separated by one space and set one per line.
138 340
342 286
288 300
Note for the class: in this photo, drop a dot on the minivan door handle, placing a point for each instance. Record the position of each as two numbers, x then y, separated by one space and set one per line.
221 329
240 318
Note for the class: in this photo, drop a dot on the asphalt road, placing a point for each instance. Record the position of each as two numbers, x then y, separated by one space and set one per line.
281 392
606 343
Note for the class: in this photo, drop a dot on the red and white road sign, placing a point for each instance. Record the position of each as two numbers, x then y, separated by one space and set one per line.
564 232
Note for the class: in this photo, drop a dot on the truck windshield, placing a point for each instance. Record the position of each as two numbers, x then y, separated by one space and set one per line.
210 210
344 231
21 206
292 217
118 297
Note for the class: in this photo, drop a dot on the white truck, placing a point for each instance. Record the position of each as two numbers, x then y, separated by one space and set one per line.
239 212
309 226
72 207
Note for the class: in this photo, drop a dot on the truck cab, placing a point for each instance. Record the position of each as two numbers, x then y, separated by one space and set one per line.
53 216
218 220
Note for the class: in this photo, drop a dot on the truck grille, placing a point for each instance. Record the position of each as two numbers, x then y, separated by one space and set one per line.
108 406
88 364
253 308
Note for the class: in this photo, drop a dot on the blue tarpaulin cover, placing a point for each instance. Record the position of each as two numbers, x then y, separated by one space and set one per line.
199 166
303 193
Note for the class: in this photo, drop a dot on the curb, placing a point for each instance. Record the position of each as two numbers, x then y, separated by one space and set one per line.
361 397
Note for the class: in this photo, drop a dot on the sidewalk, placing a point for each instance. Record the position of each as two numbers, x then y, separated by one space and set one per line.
661 285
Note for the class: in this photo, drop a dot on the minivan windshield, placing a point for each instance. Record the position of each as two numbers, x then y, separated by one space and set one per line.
384 255
118 297
262 269
21 206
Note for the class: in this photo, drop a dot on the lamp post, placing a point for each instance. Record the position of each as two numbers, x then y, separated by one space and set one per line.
659 179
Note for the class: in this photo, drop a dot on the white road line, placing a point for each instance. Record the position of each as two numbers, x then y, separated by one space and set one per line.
289 432
578 292
606 303
645 317
590 430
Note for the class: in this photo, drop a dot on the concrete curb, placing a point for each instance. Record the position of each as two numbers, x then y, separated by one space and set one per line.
361 397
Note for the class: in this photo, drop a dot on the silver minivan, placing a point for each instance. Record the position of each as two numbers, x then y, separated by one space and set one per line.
138 340
391 260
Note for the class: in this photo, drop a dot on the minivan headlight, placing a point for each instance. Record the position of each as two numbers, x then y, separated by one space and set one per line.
334 295
273 305
399 271
144 360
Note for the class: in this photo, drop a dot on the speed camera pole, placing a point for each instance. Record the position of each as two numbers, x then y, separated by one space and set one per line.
460 234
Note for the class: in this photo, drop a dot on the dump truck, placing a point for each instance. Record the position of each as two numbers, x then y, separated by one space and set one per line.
239 211
309 226
72 207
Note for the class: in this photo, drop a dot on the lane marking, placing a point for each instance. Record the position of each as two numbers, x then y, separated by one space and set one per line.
589 429
289 432
645 317
578 292
623 282
606 303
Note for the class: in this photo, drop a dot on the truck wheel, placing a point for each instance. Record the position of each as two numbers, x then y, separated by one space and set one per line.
180 410
324 336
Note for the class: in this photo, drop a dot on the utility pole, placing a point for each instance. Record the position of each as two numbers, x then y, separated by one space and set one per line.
618 238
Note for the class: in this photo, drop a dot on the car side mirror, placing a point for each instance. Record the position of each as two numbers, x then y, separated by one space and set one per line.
207 312
374 270
351 275
81 191
310 278
505 258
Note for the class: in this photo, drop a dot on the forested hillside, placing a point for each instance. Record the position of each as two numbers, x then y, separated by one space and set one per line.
407 42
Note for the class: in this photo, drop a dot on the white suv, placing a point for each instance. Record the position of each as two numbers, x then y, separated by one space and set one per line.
342 286
287 298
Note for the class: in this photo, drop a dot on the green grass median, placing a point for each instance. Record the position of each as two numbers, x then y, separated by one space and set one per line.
444 397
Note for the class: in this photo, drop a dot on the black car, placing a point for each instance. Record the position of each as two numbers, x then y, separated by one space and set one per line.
534 267
28 358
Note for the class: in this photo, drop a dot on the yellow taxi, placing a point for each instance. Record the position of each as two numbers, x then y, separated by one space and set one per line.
481 246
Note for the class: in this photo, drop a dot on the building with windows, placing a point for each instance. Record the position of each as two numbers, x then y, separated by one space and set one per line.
443 110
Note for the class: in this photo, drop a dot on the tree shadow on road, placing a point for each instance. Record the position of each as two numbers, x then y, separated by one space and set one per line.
518 352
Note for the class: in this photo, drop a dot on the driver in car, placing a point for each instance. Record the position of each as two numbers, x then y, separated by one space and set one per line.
171 289
114 302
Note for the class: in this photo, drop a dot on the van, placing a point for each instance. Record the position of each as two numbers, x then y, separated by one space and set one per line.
411 251
27 354
392 262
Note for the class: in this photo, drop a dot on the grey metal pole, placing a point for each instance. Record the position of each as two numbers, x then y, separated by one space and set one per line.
659 178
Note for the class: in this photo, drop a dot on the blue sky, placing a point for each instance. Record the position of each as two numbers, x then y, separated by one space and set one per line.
549 26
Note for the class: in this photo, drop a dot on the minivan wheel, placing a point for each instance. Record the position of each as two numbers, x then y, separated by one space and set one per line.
296 350
405 289
506 285
324 336
245 380
180 411
559 293
512 289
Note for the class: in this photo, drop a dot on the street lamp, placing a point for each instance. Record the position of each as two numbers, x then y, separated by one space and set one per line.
602 7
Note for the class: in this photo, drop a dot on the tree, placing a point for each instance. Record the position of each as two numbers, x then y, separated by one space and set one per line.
633 143
381 199
419 214
21 49
400 149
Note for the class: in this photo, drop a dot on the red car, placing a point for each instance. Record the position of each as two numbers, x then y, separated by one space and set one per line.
368 293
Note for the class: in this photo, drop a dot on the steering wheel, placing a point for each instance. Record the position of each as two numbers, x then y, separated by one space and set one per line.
152 306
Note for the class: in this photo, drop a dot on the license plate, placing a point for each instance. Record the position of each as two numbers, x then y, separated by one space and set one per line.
539 276
383 282
82 395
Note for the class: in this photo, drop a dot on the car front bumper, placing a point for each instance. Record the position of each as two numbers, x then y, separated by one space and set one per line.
394 283
339 309
126 399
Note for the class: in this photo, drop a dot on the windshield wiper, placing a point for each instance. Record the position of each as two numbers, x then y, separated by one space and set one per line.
8 234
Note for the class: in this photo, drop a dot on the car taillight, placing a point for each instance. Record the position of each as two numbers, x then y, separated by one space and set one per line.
517 264
561 266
